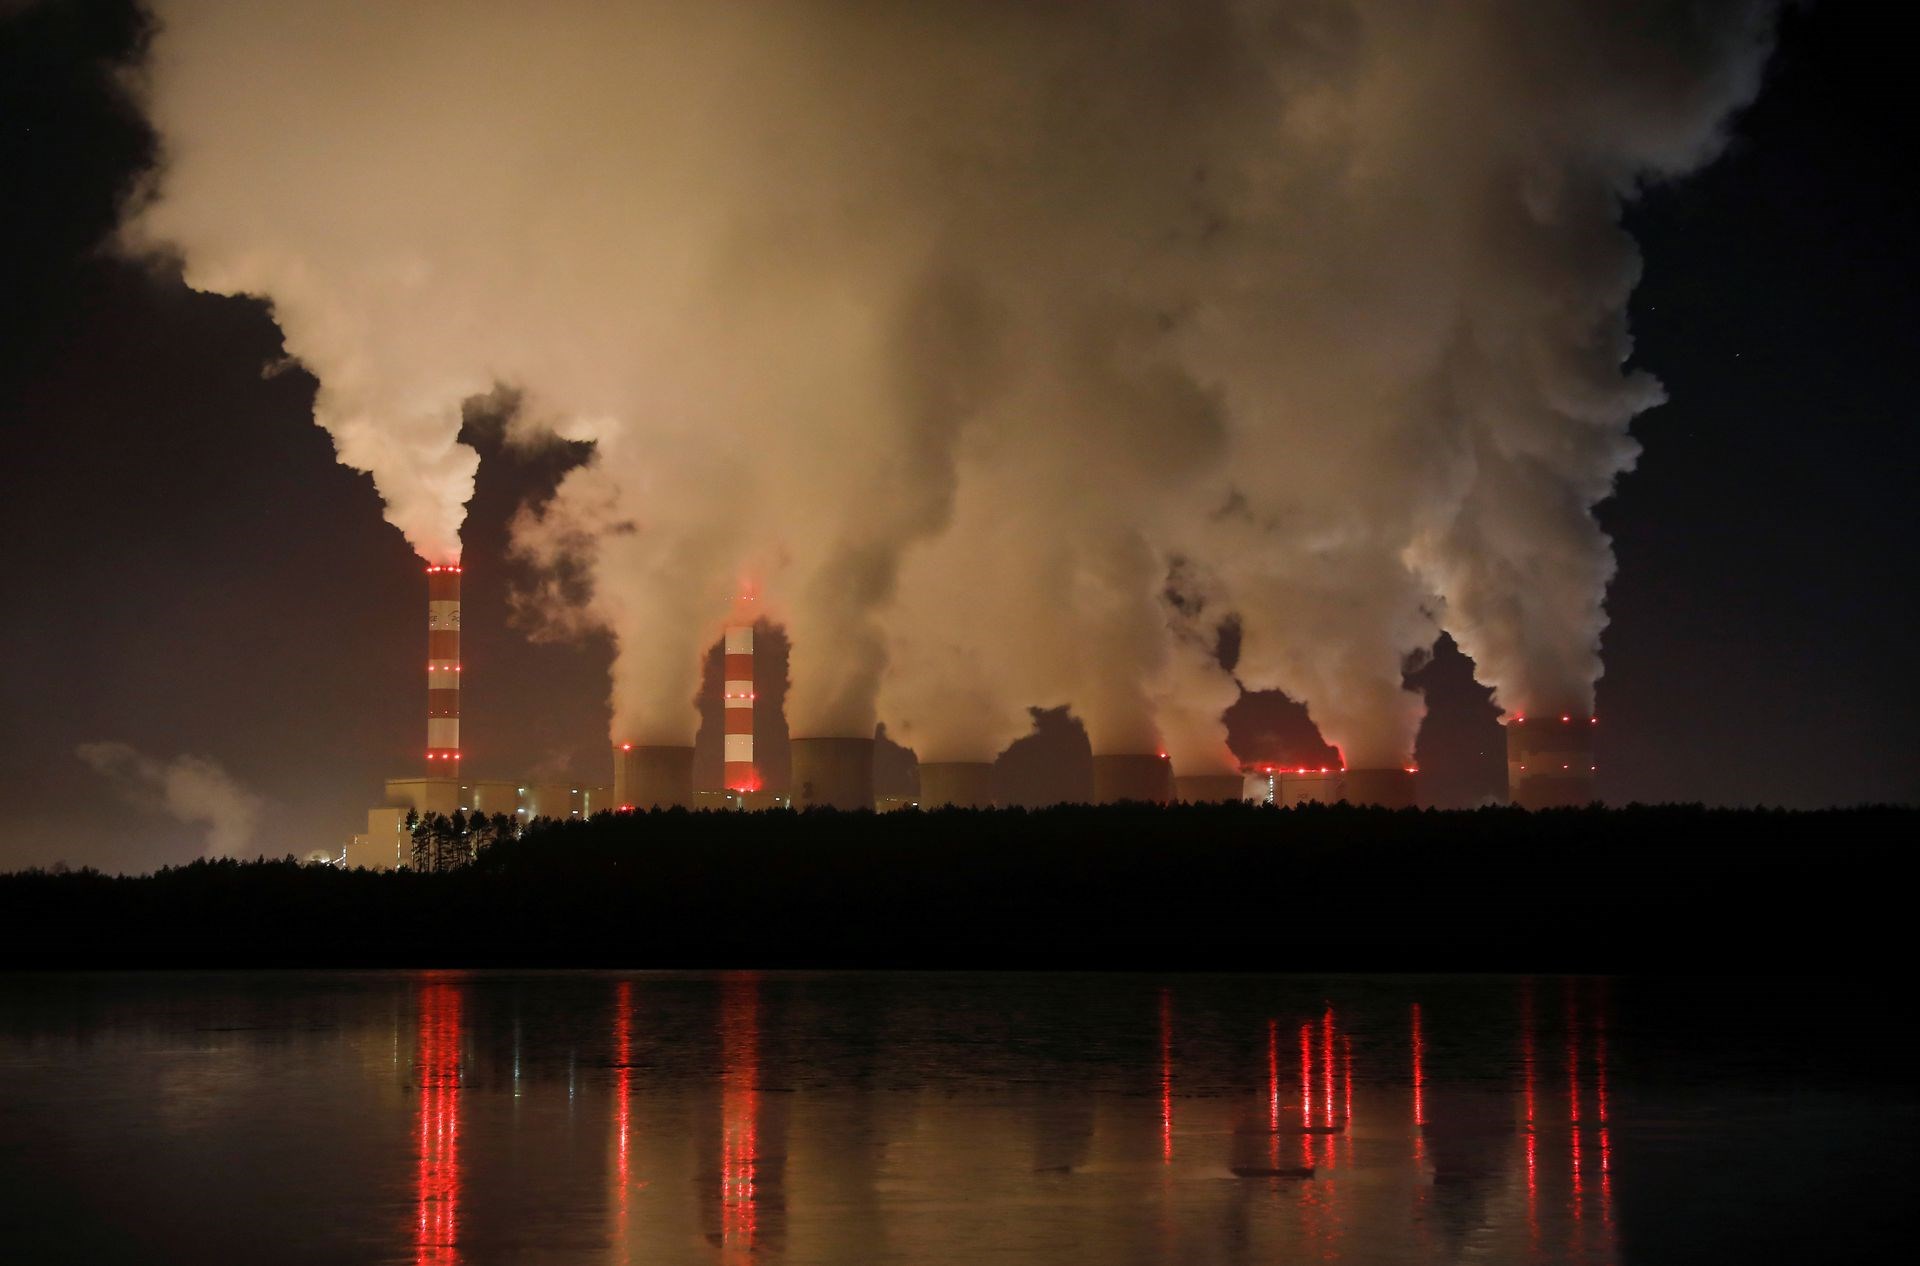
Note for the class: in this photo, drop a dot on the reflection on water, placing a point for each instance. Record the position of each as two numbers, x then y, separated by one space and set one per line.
739 1112
622 1106
582 1117
436 1073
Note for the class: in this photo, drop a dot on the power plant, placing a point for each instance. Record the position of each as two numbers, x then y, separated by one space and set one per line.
958 784
1549 763
833 773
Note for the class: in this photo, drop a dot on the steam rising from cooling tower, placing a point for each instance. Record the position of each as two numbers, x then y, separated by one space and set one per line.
969 328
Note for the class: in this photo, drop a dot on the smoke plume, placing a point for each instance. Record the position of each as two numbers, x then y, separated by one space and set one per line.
971 331
189 789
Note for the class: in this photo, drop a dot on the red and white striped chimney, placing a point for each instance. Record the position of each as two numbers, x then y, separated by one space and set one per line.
443 671
739 773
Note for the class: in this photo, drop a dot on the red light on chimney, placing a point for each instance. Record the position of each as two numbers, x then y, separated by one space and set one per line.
1565 719
626 747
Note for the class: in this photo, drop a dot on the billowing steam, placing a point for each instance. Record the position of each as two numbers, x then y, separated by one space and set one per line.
189 789
1011 347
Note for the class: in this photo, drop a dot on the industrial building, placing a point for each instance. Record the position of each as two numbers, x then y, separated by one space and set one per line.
1287 787
1549 763
442 788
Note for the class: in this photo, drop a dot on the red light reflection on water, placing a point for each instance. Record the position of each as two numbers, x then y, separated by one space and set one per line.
437 1176
1166 1076
1273 1092
1346 1070
1573 1099
1306 1074
1527 1079
1306 1091
622 1100
739 1111
1600 1106
1419 1070
1326 1066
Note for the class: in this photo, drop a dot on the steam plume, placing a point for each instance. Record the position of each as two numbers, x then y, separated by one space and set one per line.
189 789
967 328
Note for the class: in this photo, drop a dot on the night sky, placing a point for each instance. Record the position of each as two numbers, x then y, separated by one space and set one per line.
188 570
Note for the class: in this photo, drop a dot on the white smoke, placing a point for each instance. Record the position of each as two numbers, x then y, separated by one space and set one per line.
189 789
962 327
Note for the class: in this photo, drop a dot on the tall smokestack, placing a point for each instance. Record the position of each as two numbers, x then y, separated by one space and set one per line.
1550 761
958 784
739 774
1147 778
833 773
443 671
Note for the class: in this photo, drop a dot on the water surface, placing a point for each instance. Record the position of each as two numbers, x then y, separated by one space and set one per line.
442 1118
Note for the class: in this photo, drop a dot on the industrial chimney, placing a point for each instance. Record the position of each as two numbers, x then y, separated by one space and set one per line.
833 773
958 784
1550 760
739 774
443 672
652 776
1147 778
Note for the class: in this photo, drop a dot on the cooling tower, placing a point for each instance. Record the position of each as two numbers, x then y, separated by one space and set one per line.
648 776
1144 778
1550 761
1386 788
443 672
832 773
1209 788
960 784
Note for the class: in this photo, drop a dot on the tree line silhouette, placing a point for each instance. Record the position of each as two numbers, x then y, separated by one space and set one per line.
1217 887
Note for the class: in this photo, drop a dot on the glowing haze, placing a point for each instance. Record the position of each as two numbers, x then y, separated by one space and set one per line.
1011 347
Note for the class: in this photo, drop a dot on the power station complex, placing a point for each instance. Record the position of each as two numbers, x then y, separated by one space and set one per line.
1550 763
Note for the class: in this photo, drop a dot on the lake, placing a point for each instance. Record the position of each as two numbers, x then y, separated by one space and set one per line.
442 1118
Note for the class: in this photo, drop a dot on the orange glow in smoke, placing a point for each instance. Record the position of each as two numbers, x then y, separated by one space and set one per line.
437 1154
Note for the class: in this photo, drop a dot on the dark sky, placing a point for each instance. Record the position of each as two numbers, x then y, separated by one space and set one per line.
189 571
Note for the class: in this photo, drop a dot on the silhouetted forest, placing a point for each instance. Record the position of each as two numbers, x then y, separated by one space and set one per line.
1201 887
